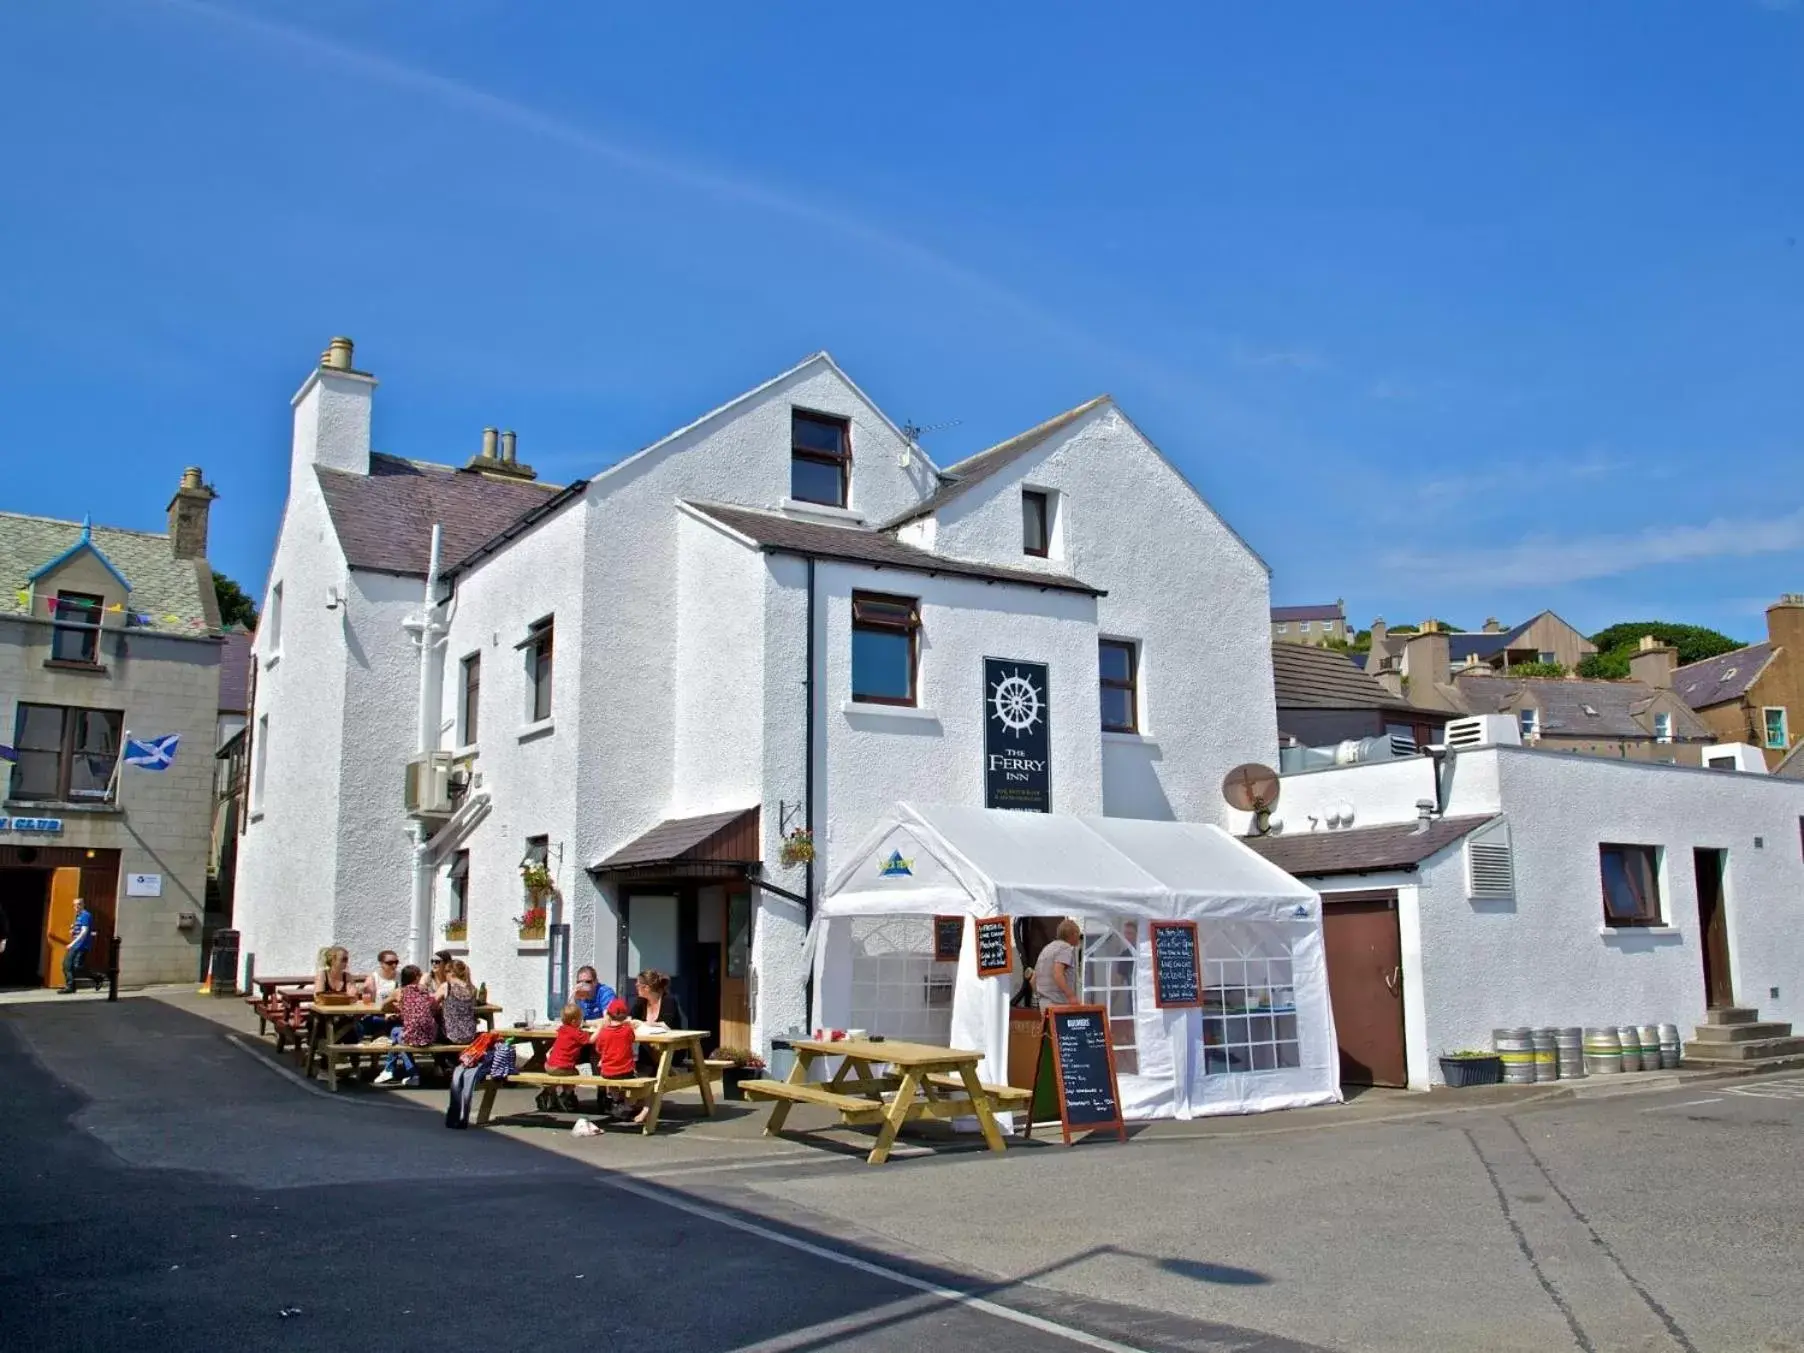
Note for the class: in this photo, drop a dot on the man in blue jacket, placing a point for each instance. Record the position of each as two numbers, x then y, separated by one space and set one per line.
81 935
592 994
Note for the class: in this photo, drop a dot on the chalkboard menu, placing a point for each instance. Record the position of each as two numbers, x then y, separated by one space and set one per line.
1177 967
948 938
1076 1056
995 947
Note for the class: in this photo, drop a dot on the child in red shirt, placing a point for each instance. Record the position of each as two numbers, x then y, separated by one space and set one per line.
614 1044
567 1052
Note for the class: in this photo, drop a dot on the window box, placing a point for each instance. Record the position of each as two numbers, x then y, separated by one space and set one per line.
73 665
1460 1069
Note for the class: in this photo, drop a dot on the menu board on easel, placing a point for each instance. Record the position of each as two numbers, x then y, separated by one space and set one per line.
1078 1064
1177 965
948 938
995 947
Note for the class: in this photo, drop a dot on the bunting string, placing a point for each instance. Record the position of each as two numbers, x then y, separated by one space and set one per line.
64 608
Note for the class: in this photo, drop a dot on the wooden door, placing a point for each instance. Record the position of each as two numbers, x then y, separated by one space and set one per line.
65 889
1713 925
1365 987
735 973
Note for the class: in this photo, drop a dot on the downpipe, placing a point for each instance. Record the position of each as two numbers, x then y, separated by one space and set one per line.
426 740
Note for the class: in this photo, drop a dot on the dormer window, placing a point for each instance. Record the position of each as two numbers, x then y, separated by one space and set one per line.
1529 720
76 635
820 458
1036 523
1662 727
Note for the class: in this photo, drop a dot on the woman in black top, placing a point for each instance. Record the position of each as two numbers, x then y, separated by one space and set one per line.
655 1005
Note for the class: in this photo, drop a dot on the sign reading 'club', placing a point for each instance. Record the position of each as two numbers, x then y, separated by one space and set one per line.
1017 742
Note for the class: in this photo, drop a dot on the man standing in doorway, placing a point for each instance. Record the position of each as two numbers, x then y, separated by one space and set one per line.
81 935
1055 972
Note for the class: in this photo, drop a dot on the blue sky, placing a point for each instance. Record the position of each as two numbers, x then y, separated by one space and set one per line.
1456 310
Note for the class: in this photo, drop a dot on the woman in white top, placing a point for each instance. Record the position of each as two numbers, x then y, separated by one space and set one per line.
1056 979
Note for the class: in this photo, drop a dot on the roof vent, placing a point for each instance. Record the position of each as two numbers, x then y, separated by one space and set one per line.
1484 730
1490 864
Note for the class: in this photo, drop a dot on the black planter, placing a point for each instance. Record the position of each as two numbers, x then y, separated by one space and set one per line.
730 1080
1462 1071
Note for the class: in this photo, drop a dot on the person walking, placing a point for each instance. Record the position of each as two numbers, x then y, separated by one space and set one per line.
81 936
1056 980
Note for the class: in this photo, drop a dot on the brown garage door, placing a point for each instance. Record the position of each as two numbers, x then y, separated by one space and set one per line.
1365 986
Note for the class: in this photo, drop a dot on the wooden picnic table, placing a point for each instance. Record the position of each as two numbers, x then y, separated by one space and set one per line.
927 1082
650 1090
327 1023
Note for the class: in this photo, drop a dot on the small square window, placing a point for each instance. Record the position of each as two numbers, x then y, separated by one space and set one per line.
820 458
1118 665
1549 658
459 888
537 646
1036 523
1777 734
886 635
1662 727
1530 722
1631 884
470 700
76 634
1283 627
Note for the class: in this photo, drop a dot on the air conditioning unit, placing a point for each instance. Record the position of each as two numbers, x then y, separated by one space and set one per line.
433 785
1739 756
1483 730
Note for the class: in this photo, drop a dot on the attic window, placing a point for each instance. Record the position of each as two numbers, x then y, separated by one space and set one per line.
76 636
1490 865
820 458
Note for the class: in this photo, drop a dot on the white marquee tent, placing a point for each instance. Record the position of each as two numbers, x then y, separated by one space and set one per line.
1265 1037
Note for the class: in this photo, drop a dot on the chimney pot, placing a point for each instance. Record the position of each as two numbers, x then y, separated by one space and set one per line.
507 447
188 511
191 477
488 443
338 354
1424 816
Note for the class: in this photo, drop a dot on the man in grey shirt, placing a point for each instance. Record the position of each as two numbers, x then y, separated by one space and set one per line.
1056 980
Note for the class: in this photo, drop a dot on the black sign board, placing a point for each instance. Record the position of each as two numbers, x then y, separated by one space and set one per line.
948 938
1177 967
1076 1056
1017 743
995 947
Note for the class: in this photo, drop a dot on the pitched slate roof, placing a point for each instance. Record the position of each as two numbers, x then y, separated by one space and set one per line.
1363 850
1724 677
973 470
1566 705
384 519
673 839
1792 767
1463 644
1307 677
776 533
235 671
174 595
1323 612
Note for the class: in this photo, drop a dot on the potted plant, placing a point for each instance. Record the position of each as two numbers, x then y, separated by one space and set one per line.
745 1066
1471 1068
537 878
532 921
457 931
798 848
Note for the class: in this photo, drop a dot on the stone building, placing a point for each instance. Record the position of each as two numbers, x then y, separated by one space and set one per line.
107 633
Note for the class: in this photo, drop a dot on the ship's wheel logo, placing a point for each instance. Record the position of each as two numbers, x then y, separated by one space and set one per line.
1015 701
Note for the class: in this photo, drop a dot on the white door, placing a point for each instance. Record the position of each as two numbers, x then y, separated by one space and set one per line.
651 934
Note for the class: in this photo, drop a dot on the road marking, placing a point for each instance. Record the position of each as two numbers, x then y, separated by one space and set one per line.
1688 1104
947 1294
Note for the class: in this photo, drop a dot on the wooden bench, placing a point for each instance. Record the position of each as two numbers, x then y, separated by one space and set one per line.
352 1053
1005 1096
848 1105
649 1090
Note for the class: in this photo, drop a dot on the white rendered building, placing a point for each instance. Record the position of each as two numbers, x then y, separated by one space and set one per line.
780 616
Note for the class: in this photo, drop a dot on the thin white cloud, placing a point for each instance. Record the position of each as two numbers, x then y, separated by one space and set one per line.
1451 490
1540 561
1302 359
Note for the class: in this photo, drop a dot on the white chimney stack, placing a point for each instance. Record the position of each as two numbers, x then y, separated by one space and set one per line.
332 414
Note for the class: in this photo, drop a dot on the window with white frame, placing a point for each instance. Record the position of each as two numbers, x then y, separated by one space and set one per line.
1529 719
1108 981
1548 657
1308 626
897 988
1778 736
271 628
1249 1002
1662 726
1283 628
259 762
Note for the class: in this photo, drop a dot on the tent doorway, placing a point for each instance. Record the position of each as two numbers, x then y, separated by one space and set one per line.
1365 985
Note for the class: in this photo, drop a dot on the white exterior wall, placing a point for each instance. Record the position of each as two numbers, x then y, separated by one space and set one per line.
1180 583
1546 957
528 770
719 678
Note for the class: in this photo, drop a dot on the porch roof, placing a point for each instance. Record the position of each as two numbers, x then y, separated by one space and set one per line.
729 838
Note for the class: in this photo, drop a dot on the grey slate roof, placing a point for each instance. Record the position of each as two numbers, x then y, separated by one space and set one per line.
1463 644
1792 766
1307 677
774 532
1363 850
1724 677
1563 701
973 470
176 595
235 671
671 838
1323 612
384 519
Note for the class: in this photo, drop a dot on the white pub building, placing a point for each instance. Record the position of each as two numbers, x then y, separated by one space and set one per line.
772 625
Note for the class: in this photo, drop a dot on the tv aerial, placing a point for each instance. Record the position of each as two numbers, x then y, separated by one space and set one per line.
1252 788
912 432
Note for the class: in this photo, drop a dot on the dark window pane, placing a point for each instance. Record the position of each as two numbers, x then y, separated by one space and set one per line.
816 481
882 665
40 728
35 775
1117 662
868 610
818 434
1117 708
1033 522
472 696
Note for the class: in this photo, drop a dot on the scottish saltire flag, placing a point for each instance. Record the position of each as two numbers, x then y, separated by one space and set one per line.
151 753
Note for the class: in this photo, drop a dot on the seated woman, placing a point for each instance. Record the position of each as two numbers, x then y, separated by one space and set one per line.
655 1005
334 975
377 988
457 1008
419 1027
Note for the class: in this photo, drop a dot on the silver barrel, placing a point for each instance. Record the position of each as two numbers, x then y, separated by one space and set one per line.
1517 1049
1630 1034
1603 1051
1547 1053
1569 1044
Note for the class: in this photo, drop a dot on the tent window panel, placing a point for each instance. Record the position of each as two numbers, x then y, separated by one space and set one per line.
1108 981
894 980
1249 1006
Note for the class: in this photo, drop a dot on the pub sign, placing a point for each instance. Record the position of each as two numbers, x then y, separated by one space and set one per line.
1017 743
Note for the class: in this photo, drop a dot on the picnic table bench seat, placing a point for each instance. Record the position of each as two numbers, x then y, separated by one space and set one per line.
810 1094
1004 1096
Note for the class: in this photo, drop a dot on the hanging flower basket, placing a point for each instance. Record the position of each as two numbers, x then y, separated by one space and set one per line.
532 922
798 848
457 930
538 881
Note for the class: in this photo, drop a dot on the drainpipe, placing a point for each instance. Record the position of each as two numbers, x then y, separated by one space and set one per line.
426 740
808 797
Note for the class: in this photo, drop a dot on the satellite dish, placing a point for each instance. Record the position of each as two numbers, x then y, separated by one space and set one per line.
1252 788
